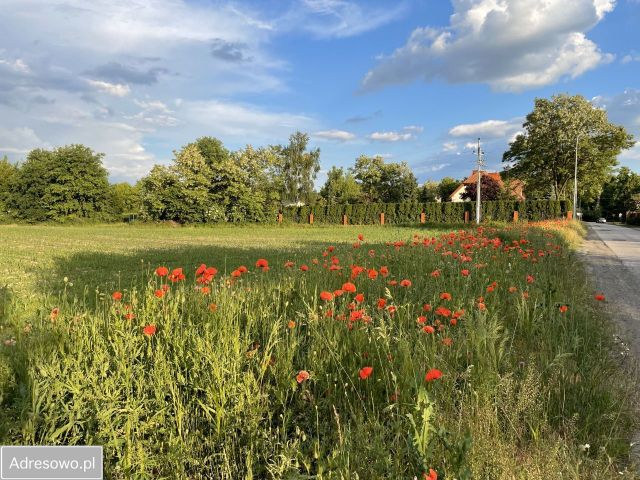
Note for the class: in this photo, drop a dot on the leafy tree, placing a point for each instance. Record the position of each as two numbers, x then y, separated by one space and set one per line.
619 190
340 187
68 182
490 189
446 187
429 191
544 155
124 198
298 169
385 182
8 172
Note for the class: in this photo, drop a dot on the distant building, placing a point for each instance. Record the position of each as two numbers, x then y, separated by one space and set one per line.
515 187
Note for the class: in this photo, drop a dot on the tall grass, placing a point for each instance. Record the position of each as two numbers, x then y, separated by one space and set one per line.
214 392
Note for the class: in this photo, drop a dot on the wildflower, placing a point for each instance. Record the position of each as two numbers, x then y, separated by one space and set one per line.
392 283
372 274
213 307
349 287
360 237
130 316
243 269
445 296
291 324
54 314
304 268
338 293
513 289
391 309
563 308
530 279
159 293
433 475
326 296
426 307
421 320
384 271
262 263
201 269
365 372
599 297
288 264
236 273
359 298
381 303
428 329
302 376
433 374
116 296
443 311
435 273
205 290
447 342
162 271
149 330
465 273
406 283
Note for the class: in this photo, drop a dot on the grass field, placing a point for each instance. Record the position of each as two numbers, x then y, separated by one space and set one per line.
475 354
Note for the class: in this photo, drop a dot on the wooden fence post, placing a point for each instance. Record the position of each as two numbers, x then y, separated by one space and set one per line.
382 218
423 217
344 219
280 218
466 217
515 216
311 219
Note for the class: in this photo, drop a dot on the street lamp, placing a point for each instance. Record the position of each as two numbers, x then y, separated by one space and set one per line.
575 181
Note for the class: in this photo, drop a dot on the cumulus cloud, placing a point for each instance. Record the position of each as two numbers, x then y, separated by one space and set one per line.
623 108
115 89
512 45
406 134
339 135
487 128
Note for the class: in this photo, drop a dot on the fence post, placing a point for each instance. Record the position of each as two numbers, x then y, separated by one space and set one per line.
569 215
466 217
515 216
344 219
382 218
280 218
423 217
311 219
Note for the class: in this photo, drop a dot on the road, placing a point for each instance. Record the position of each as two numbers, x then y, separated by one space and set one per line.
611 254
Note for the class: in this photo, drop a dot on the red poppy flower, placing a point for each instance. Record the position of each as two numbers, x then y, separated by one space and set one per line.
116 296
149 330
349 287
338 293
405 283
563 308
205 290
162 271
426 307
159 293
421 320
428 329
530 279
201 269
433 475
447 342
365 372
599 297
288 264
465 273
291 324
236 273
433 374
393 283
304 268
130 316
302 376
326 296
213 307
261 263
384 271
513 289
372 274
435 273
443 311
243 269
445 296
54 314
360 237
381 303
359 298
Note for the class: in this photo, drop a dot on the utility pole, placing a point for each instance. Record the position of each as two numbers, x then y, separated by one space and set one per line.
480 153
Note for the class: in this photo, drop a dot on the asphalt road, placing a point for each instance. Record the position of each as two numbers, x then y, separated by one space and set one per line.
612 257
611 254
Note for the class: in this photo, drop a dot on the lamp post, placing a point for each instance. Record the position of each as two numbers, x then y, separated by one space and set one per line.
575 181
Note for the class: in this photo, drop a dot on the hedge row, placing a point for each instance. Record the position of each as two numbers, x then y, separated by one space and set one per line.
445 212
633 218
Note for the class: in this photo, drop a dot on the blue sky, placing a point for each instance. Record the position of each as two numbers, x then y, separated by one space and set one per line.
412 80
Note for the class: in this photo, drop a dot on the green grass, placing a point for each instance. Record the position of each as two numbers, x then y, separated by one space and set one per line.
213 394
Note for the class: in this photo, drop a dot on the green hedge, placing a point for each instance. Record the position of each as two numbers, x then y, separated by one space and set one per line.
409 212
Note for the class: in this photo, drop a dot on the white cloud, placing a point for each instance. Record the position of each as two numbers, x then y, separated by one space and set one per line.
413 129
487 128
115 89
623 108
19 140
429 168
17 65
512 45
449 146
391 136
339 135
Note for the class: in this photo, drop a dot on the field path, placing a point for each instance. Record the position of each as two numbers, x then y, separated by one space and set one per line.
611 254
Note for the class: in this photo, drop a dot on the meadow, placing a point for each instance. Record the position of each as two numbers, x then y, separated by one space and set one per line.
298 352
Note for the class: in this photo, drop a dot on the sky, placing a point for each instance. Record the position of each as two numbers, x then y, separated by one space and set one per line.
411 80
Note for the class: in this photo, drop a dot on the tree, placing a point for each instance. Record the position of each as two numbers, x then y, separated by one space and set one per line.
618 192
68 182
446 187
490 189
544 155
124 199
385 182
8 172
340 187
429 191
298 169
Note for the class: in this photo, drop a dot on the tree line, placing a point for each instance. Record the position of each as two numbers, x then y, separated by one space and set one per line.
206 182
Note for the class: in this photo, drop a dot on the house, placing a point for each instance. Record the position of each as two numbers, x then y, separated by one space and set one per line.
515 187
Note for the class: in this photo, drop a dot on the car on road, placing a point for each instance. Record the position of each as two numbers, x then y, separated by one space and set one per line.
601 220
